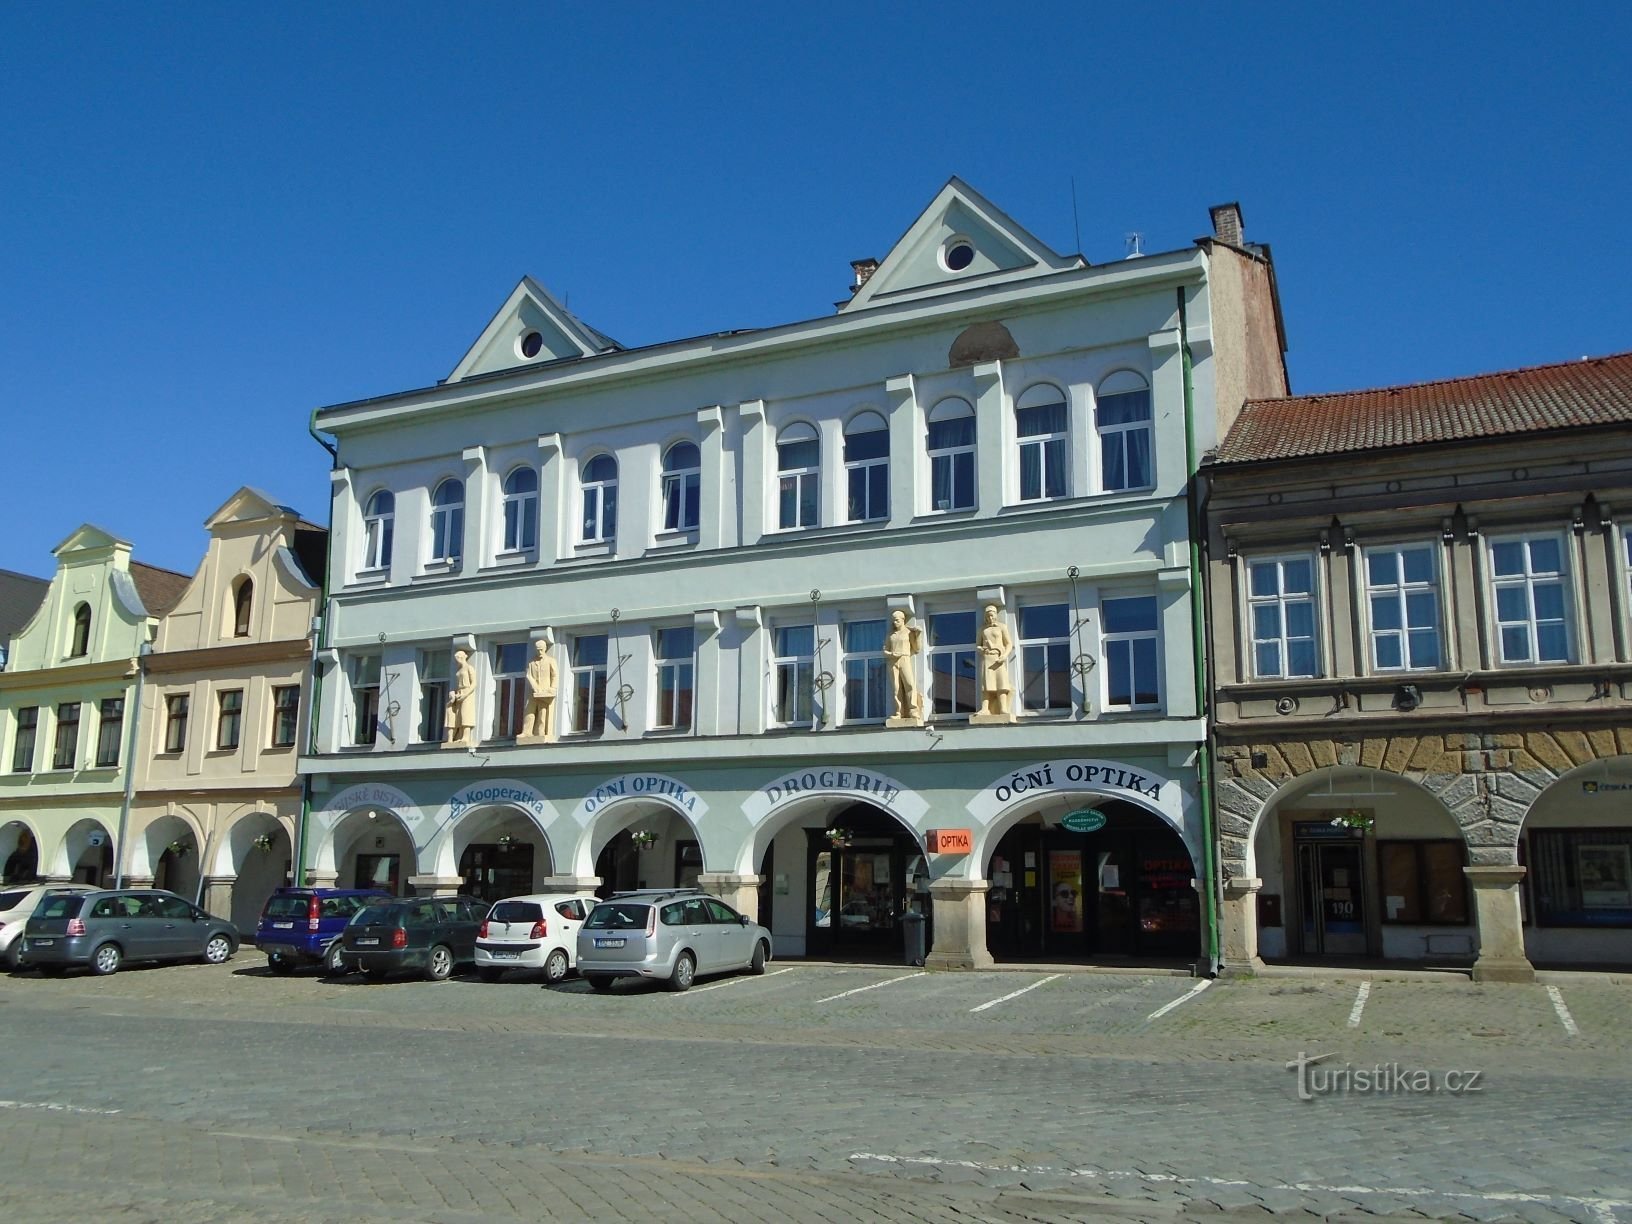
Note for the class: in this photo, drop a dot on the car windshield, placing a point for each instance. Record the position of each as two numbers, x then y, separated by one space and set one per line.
386 914
11 900
286 907
59 907
619 916
516 911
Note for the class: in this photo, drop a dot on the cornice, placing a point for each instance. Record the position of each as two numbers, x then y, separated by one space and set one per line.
76 673
211 658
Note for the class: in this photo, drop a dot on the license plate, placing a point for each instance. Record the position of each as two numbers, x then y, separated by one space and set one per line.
505 955
610 943
367 943
283 926
41 943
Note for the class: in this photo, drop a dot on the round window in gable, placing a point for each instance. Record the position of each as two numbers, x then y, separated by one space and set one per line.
531 344
958 254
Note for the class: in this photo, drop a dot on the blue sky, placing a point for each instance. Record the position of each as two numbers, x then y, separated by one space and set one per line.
215 218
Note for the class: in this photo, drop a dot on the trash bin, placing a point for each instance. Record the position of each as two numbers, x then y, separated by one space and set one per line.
912 937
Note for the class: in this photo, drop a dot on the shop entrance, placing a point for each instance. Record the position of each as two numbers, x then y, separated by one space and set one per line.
863 874
1123 890
1331 892
496 870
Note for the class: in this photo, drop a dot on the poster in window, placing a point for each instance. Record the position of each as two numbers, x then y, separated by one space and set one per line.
1065 910
1606 876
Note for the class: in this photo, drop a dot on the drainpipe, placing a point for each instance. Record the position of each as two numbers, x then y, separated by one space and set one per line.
320 642
131 748
1198 633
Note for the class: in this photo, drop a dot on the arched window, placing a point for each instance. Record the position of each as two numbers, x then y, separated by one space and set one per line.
951 447
243 597
799 471
1040 426
682 482
448 520
599 478
867 467
80 645
379 520
521 510
1122 421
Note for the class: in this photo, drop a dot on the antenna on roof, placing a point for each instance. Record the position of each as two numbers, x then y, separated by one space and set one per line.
1134 239
1076 224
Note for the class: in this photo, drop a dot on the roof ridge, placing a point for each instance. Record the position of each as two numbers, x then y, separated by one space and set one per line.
1440 382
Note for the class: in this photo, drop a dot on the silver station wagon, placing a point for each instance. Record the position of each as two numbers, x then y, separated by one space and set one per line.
670 934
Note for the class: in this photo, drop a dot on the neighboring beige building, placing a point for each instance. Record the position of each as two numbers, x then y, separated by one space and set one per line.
217 792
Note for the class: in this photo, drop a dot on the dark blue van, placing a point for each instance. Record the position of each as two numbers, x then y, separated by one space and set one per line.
301 926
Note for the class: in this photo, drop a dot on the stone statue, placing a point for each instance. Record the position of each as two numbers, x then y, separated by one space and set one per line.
461 721
996 689
539 723
901 644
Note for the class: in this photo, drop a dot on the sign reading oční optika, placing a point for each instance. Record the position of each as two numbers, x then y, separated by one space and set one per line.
1072 775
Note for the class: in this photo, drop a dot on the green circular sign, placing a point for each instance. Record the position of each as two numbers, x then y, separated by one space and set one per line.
1085 821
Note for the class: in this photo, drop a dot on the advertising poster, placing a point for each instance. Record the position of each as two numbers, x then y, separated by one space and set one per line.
1065 908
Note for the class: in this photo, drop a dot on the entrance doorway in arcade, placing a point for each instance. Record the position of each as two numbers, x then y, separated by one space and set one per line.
496 870
1123 891
623 865
863 873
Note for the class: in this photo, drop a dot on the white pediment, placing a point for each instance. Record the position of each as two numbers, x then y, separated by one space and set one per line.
87 538
247 505
961 239
531 328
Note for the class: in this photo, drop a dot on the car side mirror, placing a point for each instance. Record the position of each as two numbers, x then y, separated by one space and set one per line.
742 919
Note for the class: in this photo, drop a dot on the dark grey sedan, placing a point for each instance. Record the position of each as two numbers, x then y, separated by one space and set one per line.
103 930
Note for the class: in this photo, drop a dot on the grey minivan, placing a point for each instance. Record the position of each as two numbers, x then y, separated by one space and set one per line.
102 930
671 934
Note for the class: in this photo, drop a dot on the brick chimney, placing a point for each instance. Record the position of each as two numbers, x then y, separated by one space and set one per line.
1227 224
864 269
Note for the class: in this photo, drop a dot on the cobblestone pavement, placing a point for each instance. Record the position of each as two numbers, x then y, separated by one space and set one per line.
199 1093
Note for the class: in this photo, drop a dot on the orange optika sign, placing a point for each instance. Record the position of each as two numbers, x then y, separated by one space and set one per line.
949 841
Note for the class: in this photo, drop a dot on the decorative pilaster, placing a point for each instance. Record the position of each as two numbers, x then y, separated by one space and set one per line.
1238 927
960 924
435 886
740 892
1501 925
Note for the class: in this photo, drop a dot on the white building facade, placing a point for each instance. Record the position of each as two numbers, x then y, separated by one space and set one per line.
709 540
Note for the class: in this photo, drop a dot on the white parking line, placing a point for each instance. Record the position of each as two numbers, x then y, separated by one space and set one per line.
1184 998
56 1107
733 981
1360 998
1564 1016
1015 994
905 977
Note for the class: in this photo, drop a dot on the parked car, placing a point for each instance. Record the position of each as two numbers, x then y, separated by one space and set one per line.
17 902
434 935
302 926
672 934
534 932
105 928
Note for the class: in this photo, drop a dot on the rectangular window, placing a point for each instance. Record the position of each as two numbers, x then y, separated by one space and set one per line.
365 698
951 447
1123 424
285 715
175 722
867 473
22 745
954 682
1422 882
1582 877
1045 657
799 474
673 649
230 723
1281 607
866 676
110 725
1527 577
67 736
1402 597
434 669
1129 633
794 669
510 689
589 684
1042 451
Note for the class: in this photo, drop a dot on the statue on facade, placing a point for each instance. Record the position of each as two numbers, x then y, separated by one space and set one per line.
901 645
461 720
538 725
996 647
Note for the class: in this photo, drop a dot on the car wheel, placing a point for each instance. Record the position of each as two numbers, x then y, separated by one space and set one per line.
12 955
757 963
489 973
555 968
685 971
600 981
106 960
333 962
217 950
439 967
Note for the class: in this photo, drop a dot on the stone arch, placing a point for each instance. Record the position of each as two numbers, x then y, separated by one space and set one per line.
19 837
245 870
367 827
169 852
795 797
633 812
85 852
444 851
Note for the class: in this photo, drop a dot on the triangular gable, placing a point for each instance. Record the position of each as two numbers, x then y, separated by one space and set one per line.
89 536
247 505
1000 249
529 309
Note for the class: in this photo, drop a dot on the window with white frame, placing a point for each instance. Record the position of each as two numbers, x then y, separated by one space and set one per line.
509 688
110 731
175 721
599 480
682 487
365 697
448 521
867 468
1402 604
866 674
954 681
435 667
519 507
798 474
1045 657
1040 421
229 720
1527 579
22 747
1129 635
950 443
673 652
67 753
285 715
1281 617
589 684
379 521
793 673
1122 421
80 643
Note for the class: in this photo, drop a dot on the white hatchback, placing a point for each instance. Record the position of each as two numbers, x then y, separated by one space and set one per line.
538 932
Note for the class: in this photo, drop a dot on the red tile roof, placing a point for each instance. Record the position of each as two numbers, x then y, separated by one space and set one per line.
1592 391
160 589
